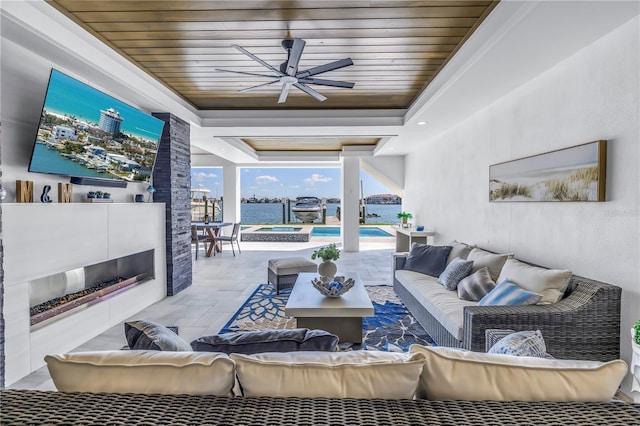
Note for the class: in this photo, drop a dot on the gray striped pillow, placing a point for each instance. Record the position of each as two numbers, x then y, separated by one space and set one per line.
476 286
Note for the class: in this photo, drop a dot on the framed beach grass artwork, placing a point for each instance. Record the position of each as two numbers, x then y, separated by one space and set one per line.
577 173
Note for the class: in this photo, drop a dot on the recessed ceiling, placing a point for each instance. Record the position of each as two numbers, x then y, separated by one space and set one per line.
397 46
307 144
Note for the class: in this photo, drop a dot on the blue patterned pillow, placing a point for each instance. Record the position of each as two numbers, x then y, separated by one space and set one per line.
454 273
508 293
522 343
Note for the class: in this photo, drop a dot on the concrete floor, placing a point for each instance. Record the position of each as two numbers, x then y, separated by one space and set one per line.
222 283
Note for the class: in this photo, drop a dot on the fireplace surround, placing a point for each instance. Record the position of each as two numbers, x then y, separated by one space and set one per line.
64 293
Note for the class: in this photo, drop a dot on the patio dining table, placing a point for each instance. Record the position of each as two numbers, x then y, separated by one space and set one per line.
213 230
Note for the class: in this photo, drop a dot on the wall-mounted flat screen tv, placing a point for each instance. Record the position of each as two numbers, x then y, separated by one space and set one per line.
86 133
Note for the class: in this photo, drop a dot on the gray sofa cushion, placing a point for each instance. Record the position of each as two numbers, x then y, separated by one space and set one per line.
253 342
149 335
426 259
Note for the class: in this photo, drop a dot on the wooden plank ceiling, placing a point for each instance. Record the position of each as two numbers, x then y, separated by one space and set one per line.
397 46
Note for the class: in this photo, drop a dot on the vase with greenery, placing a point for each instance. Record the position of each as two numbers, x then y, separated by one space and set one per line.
328 254
404 216
636 333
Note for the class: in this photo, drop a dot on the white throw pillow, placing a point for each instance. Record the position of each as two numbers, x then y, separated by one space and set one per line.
357 374
474 376
492 261
143 372
550 283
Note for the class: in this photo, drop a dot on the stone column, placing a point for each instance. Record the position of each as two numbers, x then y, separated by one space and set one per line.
172 181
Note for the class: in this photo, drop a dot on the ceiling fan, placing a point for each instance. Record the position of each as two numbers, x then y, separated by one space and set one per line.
289 75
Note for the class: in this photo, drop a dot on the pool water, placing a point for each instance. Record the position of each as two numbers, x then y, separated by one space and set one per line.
334 231
279 229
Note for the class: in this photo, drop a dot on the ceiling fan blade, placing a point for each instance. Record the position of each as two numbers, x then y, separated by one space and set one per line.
326 67
255 58
309 91
323 82
284 92
294 56
248 73
249 89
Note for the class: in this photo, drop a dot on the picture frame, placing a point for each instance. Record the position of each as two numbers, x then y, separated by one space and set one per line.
576 173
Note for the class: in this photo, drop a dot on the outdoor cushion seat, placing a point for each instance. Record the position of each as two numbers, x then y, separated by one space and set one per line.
283 272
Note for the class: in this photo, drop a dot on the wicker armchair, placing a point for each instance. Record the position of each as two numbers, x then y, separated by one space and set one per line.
585 324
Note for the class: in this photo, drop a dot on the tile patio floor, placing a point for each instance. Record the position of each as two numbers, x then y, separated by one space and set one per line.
221 284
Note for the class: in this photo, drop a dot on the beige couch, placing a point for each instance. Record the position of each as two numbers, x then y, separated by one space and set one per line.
434 373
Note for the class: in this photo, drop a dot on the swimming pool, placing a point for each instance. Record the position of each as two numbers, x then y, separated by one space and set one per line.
334 231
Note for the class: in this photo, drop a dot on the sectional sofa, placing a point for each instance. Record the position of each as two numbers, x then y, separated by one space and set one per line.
425 386
583 324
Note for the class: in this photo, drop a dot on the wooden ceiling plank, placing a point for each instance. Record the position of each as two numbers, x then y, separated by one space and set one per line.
276 59
252 15
309 49
309 34
248 43
199 5
293 26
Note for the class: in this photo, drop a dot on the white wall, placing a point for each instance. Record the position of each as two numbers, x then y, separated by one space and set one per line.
590 96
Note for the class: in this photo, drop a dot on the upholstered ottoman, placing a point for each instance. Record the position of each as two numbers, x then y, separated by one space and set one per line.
284 272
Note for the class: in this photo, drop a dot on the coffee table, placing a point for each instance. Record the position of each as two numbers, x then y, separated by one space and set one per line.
341 316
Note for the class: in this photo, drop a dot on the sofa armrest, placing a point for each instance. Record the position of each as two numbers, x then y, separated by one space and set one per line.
398 260
494 335
583 325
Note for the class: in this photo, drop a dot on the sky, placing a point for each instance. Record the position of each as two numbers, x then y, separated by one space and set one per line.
283 182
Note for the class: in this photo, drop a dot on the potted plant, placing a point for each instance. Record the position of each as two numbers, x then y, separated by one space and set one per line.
404 216
91 194
106 195
99 194
328 254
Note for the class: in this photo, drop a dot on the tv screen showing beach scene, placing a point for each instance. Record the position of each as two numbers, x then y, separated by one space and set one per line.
86 133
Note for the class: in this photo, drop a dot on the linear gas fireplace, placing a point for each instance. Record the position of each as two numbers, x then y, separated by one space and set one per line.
61 294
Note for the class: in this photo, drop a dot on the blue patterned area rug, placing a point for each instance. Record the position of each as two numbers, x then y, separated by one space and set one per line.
393 328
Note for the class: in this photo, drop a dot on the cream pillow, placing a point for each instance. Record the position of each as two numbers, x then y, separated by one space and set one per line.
452 374
357 374
550 283
492 261
143 372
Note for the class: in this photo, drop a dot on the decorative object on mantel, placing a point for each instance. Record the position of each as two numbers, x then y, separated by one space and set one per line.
333 287
44 197
98 197
64 192
420 228
329 253
139 198
150 190
577 173
24 191
404 216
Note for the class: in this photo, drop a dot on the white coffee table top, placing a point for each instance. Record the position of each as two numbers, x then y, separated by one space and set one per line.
306 301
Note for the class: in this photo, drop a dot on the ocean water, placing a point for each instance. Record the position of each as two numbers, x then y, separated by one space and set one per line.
72 97
50 161
257 213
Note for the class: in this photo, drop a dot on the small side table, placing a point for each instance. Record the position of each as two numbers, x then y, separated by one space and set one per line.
407 236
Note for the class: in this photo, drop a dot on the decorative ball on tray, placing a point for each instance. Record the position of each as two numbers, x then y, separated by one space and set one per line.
333 287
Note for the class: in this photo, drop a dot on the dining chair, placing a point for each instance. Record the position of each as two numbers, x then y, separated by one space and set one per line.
198 238
231 238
